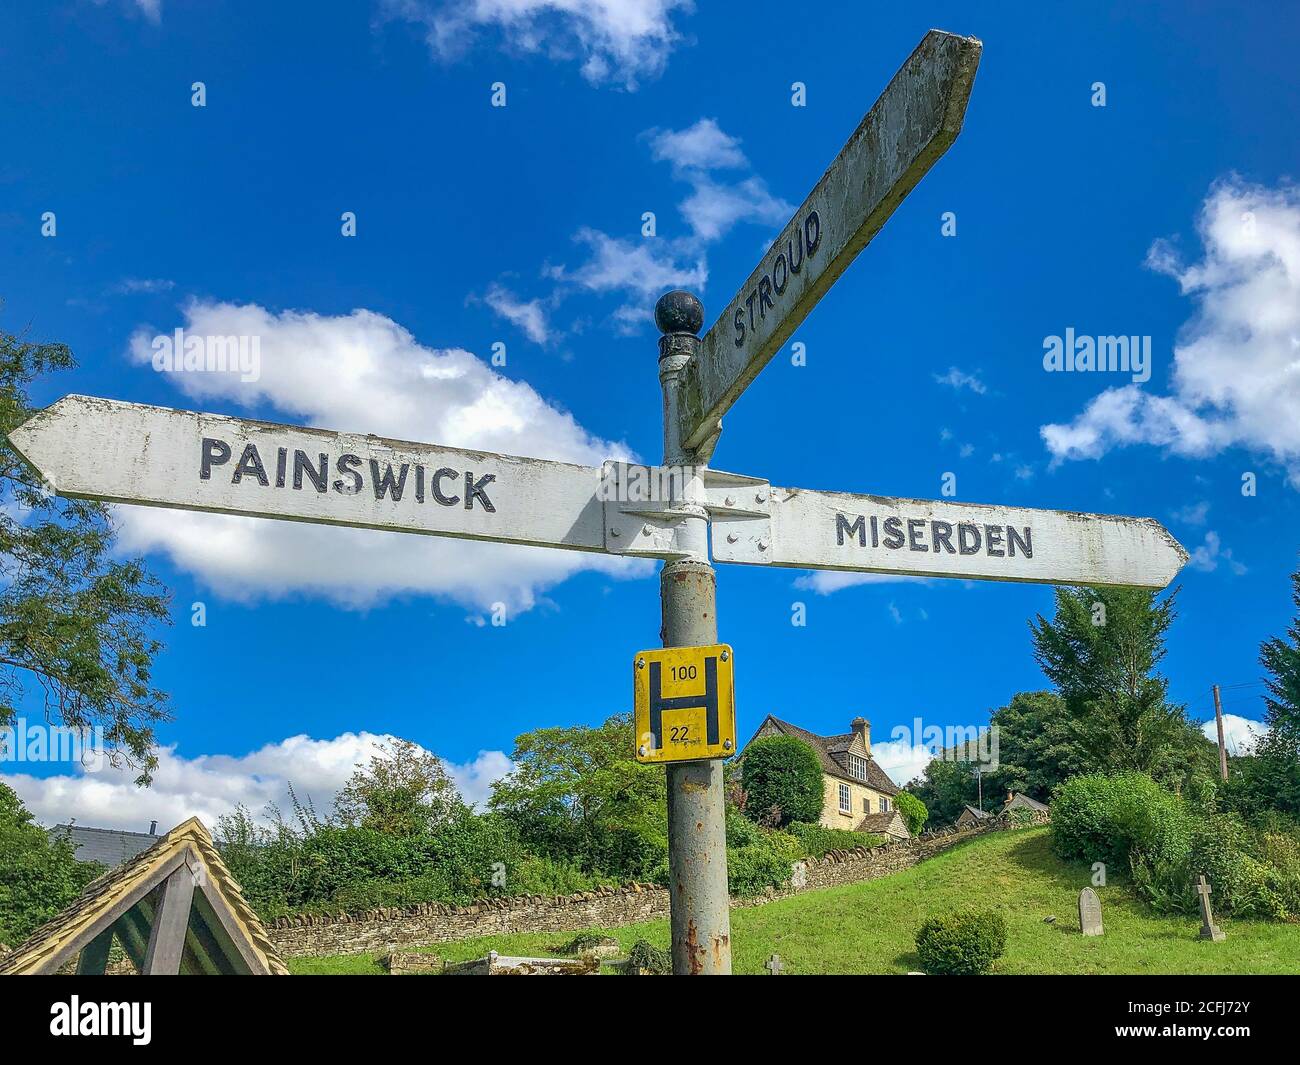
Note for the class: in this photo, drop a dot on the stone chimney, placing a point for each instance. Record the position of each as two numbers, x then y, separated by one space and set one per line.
862 727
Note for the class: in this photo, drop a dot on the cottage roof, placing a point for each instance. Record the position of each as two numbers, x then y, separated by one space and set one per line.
833 752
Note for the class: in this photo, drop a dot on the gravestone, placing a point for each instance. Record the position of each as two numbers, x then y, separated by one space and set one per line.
774 966
1209 930
1089 913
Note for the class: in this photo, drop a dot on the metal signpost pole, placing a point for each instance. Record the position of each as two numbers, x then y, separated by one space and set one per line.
697 837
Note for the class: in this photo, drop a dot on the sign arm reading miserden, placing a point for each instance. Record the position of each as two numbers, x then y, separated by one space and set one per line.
915 120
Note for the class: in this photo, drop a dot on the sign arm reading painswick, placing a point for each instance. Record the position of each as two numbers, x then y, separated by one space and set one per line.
156 456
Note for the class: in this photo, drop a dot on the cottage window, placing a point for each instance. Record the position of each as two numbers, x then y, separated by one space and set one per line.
846 799
857 767
884 806
866 804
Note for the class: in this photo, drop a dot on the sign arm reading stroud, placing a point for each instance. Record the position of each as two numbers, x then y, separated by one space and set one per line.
915 120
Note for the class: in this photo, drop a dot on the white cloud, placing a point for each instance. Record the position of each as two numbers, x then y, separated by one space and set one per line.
824 582
529 316
363 372
1236 374
129 286
1209 554
1240 734
959 379
901 760
211 785
620 41
896 614
642 268
703 146
1193 513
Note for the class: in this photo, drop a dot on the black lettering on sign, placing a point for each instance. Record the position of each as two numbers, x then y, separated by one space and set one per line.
302 464
842 526
250 462
281 460
941 537
442 498
474 490
915 527
1026 543
992 539
215 453
348 466
386 483
773 282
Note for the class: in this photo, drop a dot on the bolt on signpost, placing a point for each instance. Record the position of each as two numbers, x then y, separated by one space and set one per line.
93 448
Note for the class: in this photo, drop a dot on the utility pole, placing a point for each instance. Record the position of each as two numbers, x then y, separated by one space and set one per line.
1218 717
697 837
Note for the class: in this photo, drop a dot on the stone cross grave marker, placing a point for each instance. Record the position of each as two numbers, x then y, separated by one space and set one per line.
1089 913
1209 930
774 966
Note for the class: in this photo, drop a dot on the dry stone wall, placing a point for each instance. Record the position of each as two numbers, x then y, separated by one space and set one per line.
382 930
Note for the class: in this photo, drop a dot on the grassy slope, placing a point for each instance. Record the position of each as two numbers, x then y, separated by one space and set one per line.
869 927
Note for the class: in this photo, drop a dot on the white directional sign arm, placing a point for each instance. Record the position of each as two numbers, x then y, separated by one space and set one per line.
914 122
939 538
131 453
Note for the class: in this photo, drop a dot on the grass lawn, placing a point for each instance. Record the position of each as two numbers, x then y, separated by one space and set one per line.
869 927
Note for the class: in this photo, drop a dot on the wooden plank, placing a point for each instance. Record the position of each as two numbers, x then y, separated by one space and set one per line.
232 939
941 538
155 456
914 122
170 921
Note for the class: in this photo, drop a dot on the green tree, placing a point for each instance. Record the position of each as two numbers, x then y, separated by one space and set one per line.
1101 651
782 780
945 787
578 794
1280 657
75 624
404 791
913 810
39 874
1039 745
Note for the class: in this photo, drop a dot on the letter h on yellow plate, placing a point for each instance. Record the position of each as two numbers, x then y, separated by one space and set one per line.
685 703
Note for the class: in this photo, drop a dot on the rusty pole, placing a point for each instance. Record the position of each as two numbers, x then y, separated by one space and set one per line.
697 837
1223 750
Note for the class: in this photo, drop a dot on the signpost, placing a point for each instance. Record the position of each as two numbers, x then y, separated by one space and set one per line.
685 709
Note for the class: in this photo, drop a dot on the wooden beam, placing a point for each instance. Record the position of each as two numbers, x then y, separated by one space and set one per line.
233 939
167 936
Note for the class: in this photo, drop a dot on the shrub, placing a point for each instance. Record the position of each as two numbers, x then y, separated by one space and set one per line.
782 778
964 943
1107 818
913 810
645 958
763 862
817 840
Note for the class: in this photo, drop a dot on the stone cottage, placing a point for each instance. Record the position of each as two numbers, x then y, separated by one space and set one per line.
856 793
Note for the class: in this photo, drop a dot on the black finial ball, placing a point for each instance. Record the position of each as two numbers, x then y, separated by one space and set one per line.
679 312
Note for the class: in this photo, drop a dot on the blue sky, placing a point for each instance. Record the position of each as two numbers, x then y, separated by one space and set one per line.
1170 212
